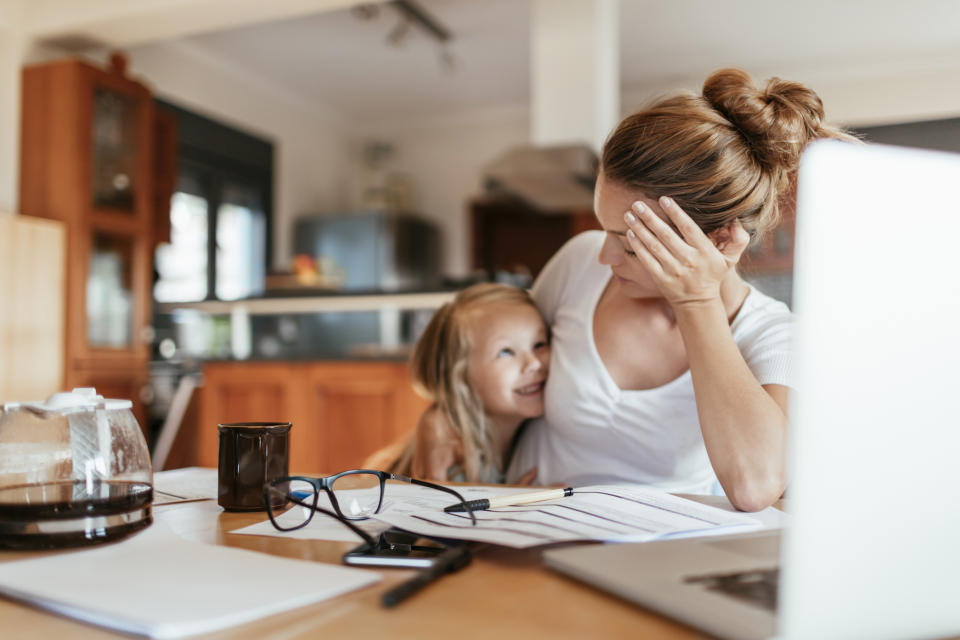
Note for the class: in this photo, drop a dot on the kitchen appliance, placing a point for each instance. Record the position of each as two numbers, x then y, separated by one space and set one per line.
74 470
371 252
374 250
551 179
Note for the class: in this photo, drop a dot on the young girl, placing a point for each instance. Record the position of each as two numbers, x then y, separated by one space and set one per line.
482 361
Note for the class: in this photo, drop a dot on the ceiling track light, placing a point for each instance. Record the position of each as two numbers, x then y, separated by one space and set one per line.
419 16
412 13
399 33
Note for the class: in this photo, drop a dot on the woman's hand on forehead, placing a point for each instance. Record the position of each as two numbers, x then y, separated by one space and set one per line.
686 264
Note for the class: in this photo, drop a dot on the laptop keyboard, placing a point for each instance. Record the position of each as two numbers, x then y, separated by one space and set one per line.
757 587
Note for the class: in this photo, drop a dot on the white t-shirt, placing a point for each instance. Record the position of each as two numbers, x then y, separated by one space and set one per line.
594 432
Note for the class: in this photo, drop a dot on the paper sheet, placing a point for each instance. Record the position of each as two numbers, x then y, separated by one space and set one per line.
163 586
184 485
607 512
602 512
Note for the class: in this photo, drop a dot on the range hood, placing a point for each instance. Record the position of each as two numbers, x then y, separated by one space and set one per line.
550 179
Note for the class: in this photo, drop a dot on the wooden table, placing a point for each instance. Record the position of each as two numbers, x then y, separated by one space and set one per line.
505 593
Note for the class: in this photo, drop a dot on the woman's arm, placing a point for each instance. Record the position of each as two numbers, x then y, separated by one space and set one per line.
744 424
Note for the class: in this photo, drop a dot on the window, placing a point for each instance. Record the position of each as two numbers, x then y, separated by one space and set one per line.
220 214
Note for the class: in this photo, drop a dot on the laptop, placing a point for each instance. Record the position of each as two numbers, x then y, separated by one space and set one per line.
872 549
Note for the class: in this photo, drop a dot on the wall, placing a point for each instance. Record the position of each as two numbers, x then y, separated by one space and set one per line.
12 45
125 24
317 152
32 281
444 160
855 97
309 142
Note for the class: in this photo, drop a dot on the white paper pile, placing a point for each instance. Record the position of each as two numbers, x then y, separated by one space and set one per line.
163 586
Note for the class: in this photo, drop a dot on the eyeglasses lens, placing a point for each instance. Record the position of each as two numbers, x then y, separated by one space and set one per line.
357 494
291 514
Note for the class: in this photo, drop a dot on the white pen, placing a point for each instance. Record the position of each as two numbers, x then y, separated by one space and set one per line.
506 501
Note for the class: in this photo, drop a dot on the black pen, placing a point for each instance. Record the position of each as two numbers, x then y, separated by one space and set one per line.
506 501
447 561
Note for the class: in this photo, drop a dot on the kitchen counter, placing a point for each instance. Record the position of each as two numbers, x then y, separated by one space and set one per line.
335 326
332 302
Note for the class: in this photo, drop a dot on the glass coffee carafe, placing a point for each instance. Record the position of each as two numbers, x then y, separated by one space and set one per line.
74 470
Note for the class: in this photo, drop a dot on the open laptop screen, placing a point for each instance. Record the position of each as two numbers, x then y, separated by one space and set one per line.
875 430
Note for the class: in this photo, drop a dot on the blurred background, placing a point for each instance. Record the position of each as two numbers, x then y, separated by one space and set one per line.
260 204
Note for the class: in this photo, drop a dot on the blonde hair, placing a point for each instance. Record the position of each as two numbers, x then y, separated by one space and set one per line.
440 371
730 153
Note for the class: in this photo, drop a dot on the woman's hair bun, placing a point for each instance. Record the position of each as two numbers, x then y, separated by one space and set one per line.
776 123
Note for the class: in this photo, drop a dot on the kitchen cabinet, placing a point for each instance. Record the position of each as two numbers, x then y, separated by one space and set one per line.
509 235
341 411
87 158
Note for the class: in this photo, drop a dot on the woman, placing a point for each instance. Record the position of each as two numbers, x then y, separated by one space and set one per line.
667 368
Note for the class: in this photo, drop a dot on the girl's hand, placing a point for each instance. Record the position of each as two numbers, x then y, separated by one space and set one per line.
528 478
437 449
686 264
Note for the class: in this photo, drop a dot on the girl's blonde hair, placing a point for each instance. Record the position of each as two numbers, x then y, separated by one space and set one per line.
730 153
440 371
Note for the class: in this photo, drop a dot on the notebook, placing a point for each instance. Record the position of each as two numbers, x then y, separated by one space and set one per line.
160 585
872 548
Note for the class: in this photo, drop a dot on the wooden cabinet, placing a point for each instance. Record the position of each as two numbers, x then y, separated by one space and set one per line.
87 159
509 235
341 411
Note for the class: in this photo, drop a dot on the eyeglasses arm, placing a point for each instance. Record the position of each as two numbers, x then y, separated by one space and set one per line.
424 483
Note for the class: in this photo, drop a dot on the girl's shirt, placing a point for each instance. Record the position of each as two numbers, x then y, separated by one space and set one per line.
593 431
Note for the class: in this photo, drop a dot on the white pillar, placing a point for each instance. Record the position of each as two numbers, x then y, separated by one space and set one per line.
574 71
12 54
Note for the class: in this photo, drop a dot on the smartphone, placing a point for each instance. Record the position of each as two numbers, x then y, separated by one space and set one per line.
396 549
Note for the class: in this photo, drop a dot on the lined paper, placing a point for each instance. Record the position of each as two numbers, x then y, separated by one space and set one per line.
602 512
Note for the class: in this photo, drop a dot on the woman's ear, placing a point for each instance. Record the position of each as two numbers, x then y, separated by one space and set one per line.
731 239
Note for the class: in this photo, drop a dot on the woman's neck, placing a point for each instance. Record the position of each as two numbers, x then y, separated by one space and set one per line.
733 291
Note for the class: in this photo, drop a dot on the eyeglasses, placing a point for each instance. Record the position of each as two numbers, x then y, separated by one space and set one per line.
354 495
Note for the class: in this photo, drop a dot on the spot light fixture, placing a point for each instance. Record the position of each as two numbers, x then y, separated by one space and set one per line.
411 14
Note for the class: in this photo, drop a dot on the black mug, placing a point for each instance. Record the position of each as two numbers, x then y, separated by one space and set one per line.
251 454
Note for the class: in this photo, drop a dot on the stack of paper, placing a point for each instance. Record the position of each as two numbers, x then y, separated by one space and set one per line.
160 585
609 512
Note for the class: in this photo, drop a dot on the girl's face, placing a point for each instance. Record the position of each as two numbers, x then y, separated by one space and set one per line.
509 358
610 202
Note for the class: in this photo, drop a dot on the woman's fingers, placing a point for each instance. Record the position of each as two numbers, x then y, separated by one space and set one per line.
694 235
642 214
643 254
653 245
686 264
